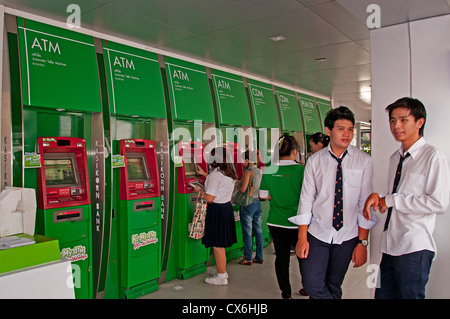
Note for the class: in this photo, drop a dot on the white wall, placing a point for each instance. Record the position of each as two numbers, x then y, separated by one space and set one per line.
412 59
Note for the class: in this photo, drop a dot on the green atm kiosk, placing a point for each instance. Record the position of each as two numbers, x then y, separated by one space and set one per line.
63 201
234 122
139 218
267 124
55 108
291 119
140 170
191 253
192 114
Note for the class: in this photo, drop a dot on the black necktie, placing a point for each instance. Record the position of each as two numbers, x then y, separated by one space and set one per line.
338 209
398 174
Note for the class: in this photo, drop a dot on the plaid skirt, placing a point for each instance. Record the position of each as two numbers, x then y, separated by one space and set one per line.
220 226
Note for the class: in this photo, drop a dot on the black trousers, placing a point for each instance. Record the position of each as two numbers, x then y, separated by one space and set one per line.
283 240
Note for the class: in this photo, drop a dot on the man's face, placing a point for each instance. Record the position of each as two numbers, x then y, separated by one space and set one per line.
404 126
341 135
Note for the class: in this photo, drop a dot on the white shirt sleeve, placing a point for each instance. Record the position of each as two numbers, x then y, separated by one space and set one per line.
307 197
434 200
366 190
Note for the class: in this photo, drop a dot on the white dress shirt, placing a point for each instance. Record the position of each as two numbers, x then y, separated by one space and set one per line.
220 186
423 192
317 196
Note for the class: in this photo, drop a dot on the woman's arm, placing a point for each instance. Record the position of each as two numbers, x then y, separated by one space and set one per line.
242 186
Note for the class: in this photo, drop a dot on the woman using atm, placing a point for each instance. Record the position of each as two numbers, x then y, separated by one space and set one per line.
220 229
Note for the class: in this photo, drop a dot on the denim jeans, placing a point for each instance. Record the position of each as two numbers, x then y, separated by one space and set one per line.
250 217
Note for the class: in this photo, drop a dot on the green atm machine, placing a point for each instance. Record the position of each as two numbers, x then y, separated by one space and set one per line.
193 115
191 253
63 201
235 124
140 170
267 124
55 108
291 119
311 118
139 218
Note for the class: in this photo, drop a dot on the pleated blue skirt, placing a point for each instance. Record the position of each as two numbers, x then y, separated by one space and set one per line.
220 227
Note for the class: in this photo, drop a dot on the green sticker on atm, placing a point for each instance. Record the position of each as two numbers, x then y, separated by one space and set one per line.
32 160
118 161
178 161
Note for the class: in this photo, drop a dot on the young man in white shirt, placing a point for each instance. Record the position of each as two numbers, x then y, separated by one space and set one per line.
420 191
332 228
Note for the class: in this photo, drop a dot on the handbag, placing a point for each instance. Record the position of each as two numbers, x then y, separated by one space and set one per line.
197 229
245 199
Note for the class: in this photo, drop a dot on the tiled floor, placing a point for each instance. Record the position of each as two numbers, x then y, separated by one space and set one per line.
255 282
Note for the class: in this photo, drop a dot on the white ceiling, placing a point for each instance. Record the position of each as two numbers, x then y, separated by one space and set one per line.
235 34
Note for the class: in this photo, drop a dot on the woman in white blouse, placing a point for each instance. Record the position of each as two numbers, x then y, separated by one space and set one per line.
220 229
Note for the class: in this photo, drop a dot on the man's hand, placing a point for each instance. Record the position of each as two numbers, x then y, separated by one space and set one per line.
302 248
372 200
359 256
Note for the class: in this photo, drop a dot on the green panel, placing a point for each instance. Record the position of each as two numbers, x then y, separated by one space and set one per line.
190 252
140 245
189 91
263 103
324 106
45 250
232 103
74 242
59 68
291 119
134 81
310 113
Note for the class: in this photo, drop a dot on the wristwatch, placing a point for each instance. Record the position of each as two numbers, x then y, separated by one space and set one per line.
363 242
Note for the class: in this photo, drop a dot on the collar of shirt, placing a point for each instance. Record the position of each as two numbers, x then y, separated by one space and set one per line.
349 151
414 149
286 162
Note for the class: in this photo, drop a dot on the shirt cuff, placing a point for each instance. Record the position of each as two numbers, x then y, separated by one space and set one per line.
389 199
367 224
264 193
303 219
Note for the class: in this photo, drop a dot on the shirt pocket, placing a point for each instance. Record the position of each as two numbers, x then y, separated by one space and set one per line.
352 178
411 183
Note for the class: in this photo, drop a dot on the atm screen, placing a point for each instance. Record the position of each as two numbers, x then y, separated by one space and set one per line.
137 168
189 164
189 169
60 172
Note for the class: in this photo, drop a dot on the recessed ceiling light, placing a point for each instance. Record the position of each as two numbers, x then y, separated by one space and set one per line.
321 59
278 38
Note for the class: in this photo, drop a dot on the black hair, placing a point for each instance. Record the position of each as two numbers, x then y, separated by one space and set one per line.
286 144
416 108
223 162
320 138
251 156
340 113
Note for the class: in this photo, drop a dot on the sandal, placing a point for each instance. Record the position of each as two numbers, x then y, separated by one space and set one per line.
245 262
258 262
